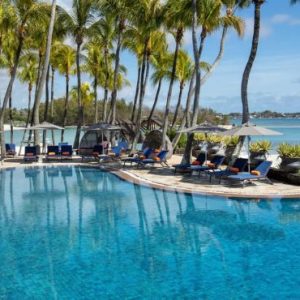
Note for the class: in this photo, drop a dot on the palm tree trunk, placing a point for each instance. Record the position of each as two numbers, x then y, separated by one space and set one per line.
66 107
137 89
28 113
178 104
42 80
197 56
46 104
116 73
8 93
246 75
52 92
52 100
142 91
11 120
104 114
185 118
79 100
96 99
155 101
173 74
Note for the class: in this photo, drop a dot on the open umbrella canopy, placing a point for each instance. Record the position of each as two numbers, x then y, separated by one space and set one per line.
103 127
45 126
205 128
249 129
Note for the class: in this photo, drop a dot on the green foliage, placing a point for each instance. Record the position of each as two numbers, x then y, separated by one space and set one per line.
182 141
261 146
214 139
288 151
231 141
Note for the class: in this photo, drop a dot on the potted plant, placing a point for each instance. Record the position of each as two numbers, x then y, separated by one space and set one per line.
289 154
259 150
230 143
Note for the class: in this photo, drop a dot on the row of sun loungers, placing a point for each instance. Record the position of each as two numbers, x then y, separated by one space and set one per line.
148 157
233 173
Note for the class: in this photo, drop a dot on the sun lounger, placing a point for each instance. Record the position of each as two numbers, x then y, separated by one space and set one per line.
137 159
260 173
10 149
66 152
30 154
214 164
238 166
52 152
200 160
160 158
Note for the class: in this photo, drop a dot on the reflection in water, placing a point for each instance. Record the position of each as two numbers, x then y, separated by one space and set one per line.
79 233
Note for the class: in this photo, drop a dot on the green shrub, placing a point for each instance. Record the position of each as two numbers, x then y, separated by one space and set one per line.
288 150
182 141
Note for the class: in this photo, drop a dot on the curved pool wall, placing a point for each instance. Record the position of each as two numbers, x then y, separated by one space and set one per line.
80 233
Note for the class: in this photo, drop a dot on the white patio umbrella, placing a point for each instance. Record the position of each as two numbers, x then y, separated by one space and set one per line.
45 126
248 130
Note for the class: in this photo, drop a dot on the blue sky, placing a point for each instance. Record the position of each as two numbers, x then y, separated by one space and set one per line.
274 82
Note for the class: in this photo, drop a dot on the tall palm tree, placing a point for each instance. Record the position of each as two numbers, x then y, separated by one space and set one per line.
28 15
177 17
28 74
162 64
184 72
7 62
64 61
134 42
147 18
208 15
251 59
104 33
78 22
94 65
120 10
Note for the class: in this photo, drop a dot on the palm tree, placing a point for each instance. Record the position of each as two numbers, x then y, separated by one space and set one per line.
120 9
28 15
253 52
147 18
134 42
94 65
7 20
64 61
162 64
103 32
28 74
78 22
208 14
7 62
177 17
184 72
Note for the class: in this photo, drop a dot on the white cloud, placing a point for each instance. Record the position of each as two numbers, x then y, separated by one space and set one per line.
285 19
265 29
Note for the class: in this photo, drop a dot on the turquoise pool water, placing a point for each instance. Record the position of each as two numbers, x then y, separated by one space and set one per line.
79 233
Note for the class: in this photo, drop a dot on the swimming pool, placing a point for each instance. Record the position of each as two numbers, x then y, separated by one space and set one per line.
80 233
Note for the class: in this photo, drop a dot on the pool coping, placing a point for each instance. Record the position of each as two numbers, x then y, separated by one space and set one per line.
134 178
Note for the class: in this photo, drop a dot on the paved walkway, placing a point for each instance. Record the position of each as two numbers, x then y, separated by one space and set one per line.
164 178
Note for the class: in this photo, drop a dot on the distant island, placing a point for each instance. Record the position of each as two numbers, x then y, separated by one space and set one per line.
267 114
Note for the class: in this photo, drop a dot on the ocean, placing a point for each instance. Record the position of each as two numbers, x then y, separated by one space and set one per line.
290 129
